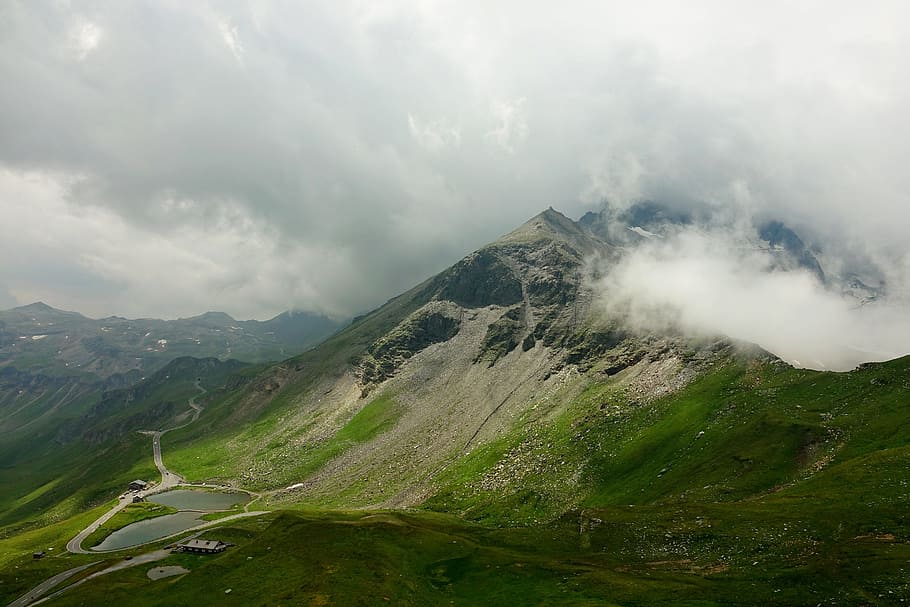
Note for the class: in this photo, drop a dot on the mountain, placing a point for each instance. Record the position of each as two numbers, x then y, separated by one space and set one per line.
66 380
511 332
493 436
39 338
644 221
51 360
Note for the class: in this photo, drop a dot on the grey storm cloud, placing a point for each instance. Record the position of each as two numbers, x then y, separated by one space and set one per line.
163 158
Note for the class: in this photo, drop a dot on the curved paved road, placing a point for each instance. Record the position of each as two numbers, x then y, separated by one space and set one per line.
75 544
169 480
35 593
33 596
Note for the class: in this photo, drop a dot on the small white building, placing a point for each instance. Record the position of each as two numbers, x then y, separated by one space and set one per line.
202 546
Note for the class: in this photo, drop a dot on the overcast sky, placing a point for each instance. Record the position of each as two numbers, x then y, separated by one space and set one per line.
165 158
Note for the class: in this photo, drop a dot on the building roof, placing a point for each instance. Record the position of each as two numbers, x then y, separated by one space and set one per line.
203 544
138 482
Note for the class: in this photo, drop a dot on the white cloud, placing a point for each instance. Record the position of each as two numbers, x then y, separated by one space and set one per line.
708 283
616 178
434 136
85 37
98 262
512 124
231 38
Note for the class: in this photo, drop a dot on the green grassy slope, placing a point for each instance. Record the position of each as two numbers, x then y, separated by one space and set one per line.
238 423
744 432
628 557
757 484
51 475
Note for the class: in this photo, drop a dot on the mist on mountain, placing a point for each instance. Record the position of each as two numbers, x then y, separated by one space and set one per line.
724 280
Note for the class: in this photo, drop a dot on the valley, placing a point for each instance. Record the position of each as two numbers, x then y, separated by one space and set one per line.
161 490
149 526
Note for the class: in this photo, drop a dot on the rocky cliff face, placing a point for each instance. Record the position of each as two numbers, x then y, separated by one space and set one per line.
531 283
508 335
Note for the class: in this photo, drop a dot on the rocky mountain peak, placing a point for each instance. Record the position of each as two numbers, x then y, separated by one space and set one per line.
38 306
550 225
41 308
216 318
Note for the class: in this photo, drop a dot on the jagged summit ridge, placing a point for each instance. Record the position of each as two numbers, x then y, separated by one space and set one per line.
549 225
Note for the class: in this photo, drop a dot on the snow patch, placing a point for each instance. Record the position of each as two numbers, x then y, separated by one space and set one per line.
642 232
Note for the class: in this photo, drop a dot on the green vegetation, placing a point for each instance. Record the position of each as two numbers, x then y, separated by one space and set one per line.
73 476
755 484
133 513
375 418
746 432
56 473
621 556
19 571
214 516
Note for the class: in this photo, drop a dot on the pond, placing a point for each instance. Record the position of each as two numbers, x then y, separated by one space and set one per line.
150 529
193 506
184 499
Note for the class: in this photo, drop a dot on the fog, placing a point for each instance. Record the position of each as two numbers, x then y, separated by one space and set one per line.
715 282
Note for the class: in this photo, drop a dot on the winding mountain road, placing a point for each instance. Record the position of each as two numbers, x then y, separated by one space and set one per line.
169 479
35 593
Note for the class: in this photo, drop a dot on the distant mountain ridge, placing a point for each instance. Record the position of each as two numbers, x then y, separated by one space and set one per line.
54 363
38 337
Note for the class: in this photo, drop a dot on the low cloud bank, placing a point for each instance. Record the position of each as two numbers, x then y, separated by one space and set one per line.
711 283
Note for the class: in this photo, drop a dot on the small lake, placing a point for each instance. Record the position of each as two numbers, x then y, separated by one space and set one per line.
150 529
163 526
185 499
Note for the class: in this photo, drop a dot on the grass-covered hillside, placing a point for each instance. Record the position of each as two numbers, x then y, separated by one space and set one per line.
619 557
756 484
88 457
